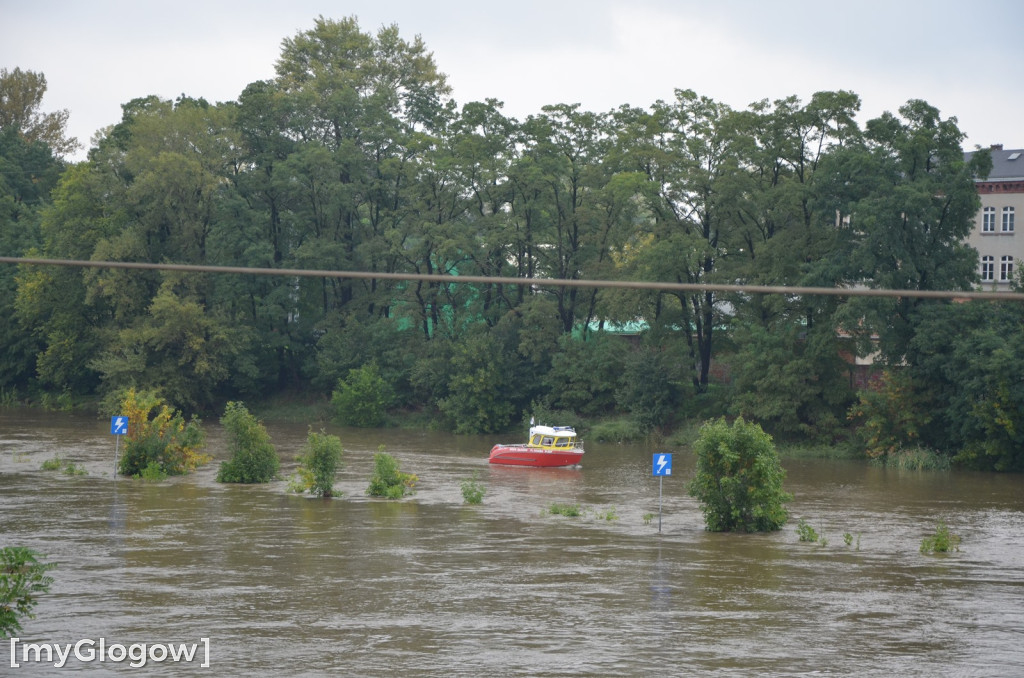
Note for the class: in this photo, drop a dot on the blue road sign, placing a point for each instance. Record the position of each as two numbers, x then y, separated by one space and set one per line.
118 426
662 464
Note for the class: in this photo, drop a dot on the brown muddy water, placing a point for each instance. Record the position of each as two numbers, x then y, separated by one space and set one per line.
430 586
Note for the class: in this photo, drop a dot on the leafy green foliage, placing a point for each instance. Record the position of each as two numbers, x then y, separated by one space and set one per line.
889 415
472 491
69 468
253 457
53 464
362 398
159 440
943 541
319 463
650 387
480 382
21 96
806 532
791 380
585 375
568 510
388 480
28 173
911 199
22 578
153 473
739 478
176 347
915 459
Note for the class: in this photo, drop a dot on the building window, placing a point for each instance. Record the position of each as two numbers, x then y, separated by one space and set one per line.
1006 268
988 220
1007 220
988 268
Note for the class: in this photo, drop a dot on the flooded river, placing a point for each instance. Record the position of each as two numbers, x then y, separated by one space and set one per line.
430 586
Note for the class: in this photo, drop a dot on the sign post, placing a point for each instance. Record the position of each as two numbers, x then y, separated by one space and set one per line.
118 428
661 467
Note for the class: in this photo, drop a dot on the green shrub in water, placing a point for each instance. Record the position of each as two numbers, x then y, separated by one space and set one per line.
70 468
318 464
159 435
253 457
153 472
52 464
388 480
472 491
806 532
943 541
739 478
570 510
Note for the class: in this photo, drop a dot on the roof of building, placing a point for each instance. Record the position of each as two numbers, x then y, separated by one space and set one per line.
1007 164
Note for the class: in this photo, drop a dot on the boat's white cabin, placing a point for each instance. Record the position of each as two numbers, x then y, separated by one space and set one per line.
557 437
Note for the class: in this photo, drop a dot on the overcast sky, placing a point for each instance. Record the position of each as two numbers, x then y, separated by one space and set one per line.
964 57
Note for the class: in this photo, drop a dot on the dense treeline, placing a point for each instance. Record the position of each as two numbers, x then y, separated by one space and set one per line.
355 157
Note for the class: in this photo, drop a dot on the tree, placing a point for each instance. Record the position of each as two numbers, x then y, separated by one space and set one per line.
906 200
891 416
362 398
178 348
585 374
787 373
564 173
21 95
688 154
28 175
790 377
739 478
22 579
650 388
253 457
480 385
54 304
361 104
988 370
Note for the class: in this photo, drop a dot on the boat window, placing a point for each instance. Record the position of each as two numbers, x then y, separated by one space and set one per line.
547 442
536 440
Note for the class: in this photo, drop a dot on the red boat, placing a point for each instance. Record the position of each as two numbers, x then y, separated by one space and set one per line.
548 446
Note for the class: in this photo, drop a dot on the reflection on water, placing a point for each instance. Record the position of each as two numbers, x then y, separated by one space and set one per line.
430 586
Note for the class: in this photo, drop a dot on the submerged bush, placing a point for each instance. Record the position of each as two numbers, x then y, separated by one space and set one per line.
806 532
943 541
159 436
318 464
472 491
388 480
739 478
253 457
568 510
